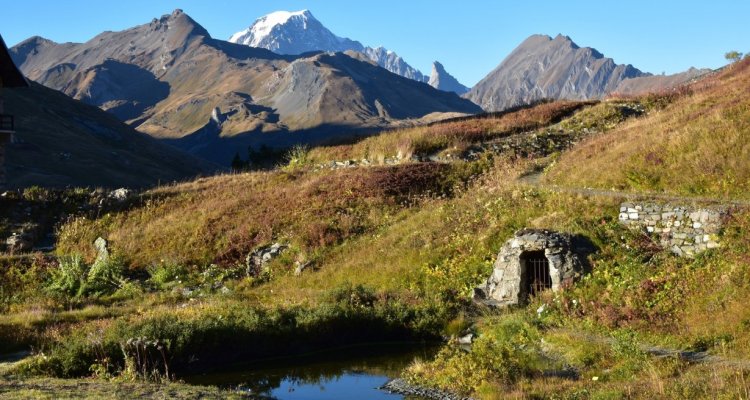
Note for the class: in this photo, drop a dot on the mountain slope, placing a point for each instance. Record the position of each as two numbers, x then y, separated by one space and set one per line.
657 83
698 145
543 67
62 142
183 76
441 79
300 32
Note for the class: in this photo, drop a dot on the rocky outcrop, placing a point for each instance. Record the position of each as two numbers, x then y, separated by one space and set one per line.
442 80
512 276
256 262
393 62
546 68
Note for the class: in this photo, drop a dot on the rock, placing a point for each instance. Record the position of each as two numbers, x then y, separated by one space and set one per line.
256 261
119 195
300 267
10 195
402 387
19 243
466 339
102 249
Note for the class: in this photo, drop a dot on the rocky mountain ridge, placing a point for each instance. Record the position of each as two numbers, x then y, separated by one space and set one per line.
542 67
294 33
553 68
147 76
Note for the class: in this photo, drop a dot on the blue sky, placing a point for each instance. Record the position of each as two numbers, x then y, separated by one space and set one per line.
469 37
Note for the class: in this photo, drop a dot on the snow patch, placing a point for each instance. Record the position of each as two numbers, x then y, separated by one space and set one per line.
263 26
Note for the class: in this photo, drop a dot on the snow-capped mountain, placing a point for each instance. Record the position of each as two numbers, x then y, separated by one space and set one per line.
298 32
285 32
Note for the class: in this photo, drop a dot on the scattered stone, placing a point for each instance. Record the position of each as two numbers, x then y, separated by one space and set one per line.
102 249
300 267
256 261
400 386
466 339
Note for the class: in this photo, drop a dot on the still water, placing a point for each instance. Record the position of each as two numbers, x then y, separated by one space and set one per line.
354 372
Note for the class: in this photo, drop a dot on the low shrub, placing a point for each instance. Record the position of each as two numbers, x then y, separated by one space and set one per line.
74 280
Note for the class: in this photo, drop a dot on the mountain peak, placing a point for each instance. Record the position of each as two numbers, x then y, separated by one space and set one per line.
298 32
566 40
178 20
292 32
281 17
553 68
442 80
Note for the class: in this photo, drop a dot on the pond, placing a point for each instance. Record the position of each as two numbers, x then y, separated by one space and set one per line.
353 372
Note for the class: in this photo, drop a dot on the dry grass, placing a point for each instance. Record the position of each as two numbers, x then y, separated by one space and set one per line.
222 219
424 140
698 145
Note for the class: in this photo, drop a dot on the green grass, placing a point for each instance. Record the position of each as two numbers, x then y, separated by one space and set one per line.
395 251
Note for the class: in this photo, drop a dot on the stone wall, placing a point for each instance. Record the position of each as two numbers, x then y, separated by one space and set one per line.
685 230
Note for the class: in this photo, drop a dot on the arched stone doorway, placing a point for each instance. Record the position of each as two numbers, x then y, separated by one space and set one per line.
533 261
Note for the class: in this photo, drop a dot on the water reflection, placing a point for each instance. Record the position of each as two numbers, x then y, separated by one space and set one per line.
344 373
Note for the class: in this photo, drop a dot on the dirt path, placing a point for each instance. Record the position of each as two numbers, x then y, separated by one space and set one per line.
690 356
535 179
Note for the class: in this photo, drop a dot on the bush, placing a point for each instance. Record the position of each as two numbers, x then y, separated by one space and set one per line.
165 275
74 280
298 156
69 278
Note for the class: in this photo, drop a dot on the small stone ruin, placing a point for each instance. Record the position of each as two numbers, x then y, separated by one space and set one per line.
532 261
685 230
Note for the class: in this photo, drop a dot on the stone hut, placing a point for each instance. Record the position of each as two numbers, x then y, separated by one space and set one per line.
532 261
10 77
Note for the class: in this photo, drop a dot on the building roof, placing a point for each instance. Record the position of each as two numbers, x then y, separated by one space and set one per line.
10 76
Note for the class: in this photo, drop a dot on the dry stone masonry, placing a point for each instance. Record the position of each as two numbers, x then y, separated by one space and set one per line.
685 230
533 260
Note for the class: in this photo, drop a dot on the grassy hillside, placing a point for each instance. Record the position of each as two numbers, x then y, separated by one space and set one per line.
454 134
697 146
393 251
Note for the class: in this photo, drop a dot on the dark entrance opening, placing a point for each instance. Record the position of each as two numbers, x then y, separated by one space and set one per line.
536 277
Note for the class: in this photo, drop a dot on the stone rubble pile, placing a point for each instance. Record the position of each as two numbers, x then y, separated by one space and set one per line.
256 261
